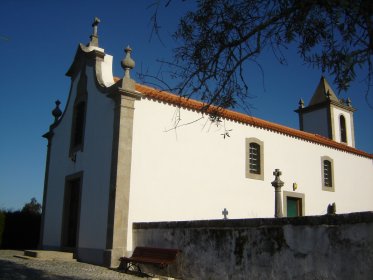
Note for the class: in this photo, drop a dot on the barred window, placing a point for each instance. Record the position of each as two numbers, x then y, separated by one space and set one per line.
254 158
327 170
254 168
328 181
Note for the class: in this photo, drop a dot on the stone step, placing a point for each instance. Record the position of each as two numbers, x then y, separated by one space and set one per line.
50 255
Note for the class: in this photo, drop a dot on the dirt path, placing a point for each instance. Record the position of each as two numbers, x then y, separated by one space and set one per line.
13 268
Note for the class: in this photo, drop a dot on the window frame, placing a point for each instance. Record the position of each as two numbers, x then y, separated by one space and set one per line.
342 129
79 111
325 187
296 195
260 144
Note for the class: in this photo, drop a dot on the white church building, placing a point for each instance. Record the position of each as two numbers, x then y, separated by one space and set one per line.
121 152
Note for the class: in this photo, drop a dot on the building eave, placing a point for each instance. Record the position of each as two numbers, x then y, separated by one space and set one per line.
195 105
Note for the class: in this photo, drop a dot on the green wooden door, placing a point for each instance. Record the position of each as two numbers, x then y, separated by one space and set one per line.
293 207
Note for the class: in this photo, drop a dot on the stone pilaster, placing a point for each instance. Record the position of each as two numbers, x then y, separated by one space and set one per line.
120 182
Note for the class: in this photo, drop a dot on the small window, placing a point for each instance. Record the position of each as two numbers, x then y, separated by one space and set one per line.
254 159
328 182
327 174
342 125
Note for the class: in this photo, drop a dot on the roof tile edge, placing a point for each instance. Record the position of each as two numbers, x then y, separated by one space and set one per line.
192 104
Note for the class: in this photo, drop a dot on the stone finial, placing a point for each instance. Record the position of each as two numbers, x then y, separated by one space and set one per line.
128 63
348 102
277 184
328 95
332 209
94 36
56 111
225 213
301 103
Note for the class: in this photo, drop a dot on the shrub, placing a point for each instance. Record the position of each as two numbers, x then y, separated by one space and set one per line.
21 229
2 225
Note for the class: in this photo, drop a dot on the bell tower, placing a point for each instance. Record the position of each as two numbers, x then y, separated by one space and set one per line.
327 115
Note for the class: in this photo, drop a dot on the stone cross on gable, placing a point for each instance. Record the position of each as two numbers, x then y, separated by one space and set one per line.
225 213
94 25
94 36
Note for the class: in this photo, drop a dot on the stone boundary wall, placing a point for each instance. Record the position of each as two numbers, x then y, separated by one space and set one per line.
313 247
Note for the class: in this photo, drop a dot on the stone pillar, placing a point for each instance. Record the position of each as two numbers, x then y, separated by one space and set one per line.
120 182
125 97
277 184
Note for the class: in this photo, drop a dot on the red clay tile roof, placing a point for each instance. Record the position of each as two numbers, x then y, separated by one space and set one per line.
170 98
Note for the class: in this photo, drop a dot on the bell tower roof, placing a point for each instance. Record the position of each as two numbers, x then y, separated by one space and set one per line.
323 93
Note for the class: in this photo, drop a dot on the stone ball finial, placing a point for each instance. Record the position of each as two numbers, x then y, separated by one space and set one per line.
56 111
128 62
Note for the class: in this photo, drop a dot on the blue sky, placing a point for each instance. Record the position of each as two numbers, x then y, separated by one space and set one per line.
38 40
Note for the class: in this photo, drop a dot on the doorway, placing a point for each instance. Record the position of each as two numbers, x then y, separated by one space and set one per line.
71 212
294 204
294 207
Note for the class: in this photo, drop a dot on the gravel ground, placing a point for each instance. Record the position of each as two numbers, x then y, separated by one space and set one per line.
16 268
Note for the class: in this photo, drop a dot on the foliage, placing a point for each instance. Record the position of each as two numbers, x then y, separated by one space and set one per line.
21 229
32 207
2 225
220 37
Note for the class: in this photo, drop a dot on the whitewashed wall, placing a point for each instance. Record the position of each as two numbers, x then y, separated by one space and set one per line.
193 173
94 161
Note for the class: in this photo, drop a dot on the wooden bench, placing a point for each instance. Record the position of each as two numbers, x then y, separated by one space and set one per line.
147 255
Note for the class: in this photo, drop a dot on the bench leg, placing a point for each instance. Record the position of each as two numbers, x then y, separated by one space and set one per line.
130 266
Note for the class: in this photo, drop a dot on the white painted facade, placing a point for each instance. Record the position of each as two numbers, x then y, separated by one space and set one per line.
95 163
193 173
188 173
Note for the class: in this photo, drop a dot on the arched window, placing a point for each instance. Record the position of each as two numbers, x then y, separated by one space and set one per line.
342 125
254 168
254 158
328 178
